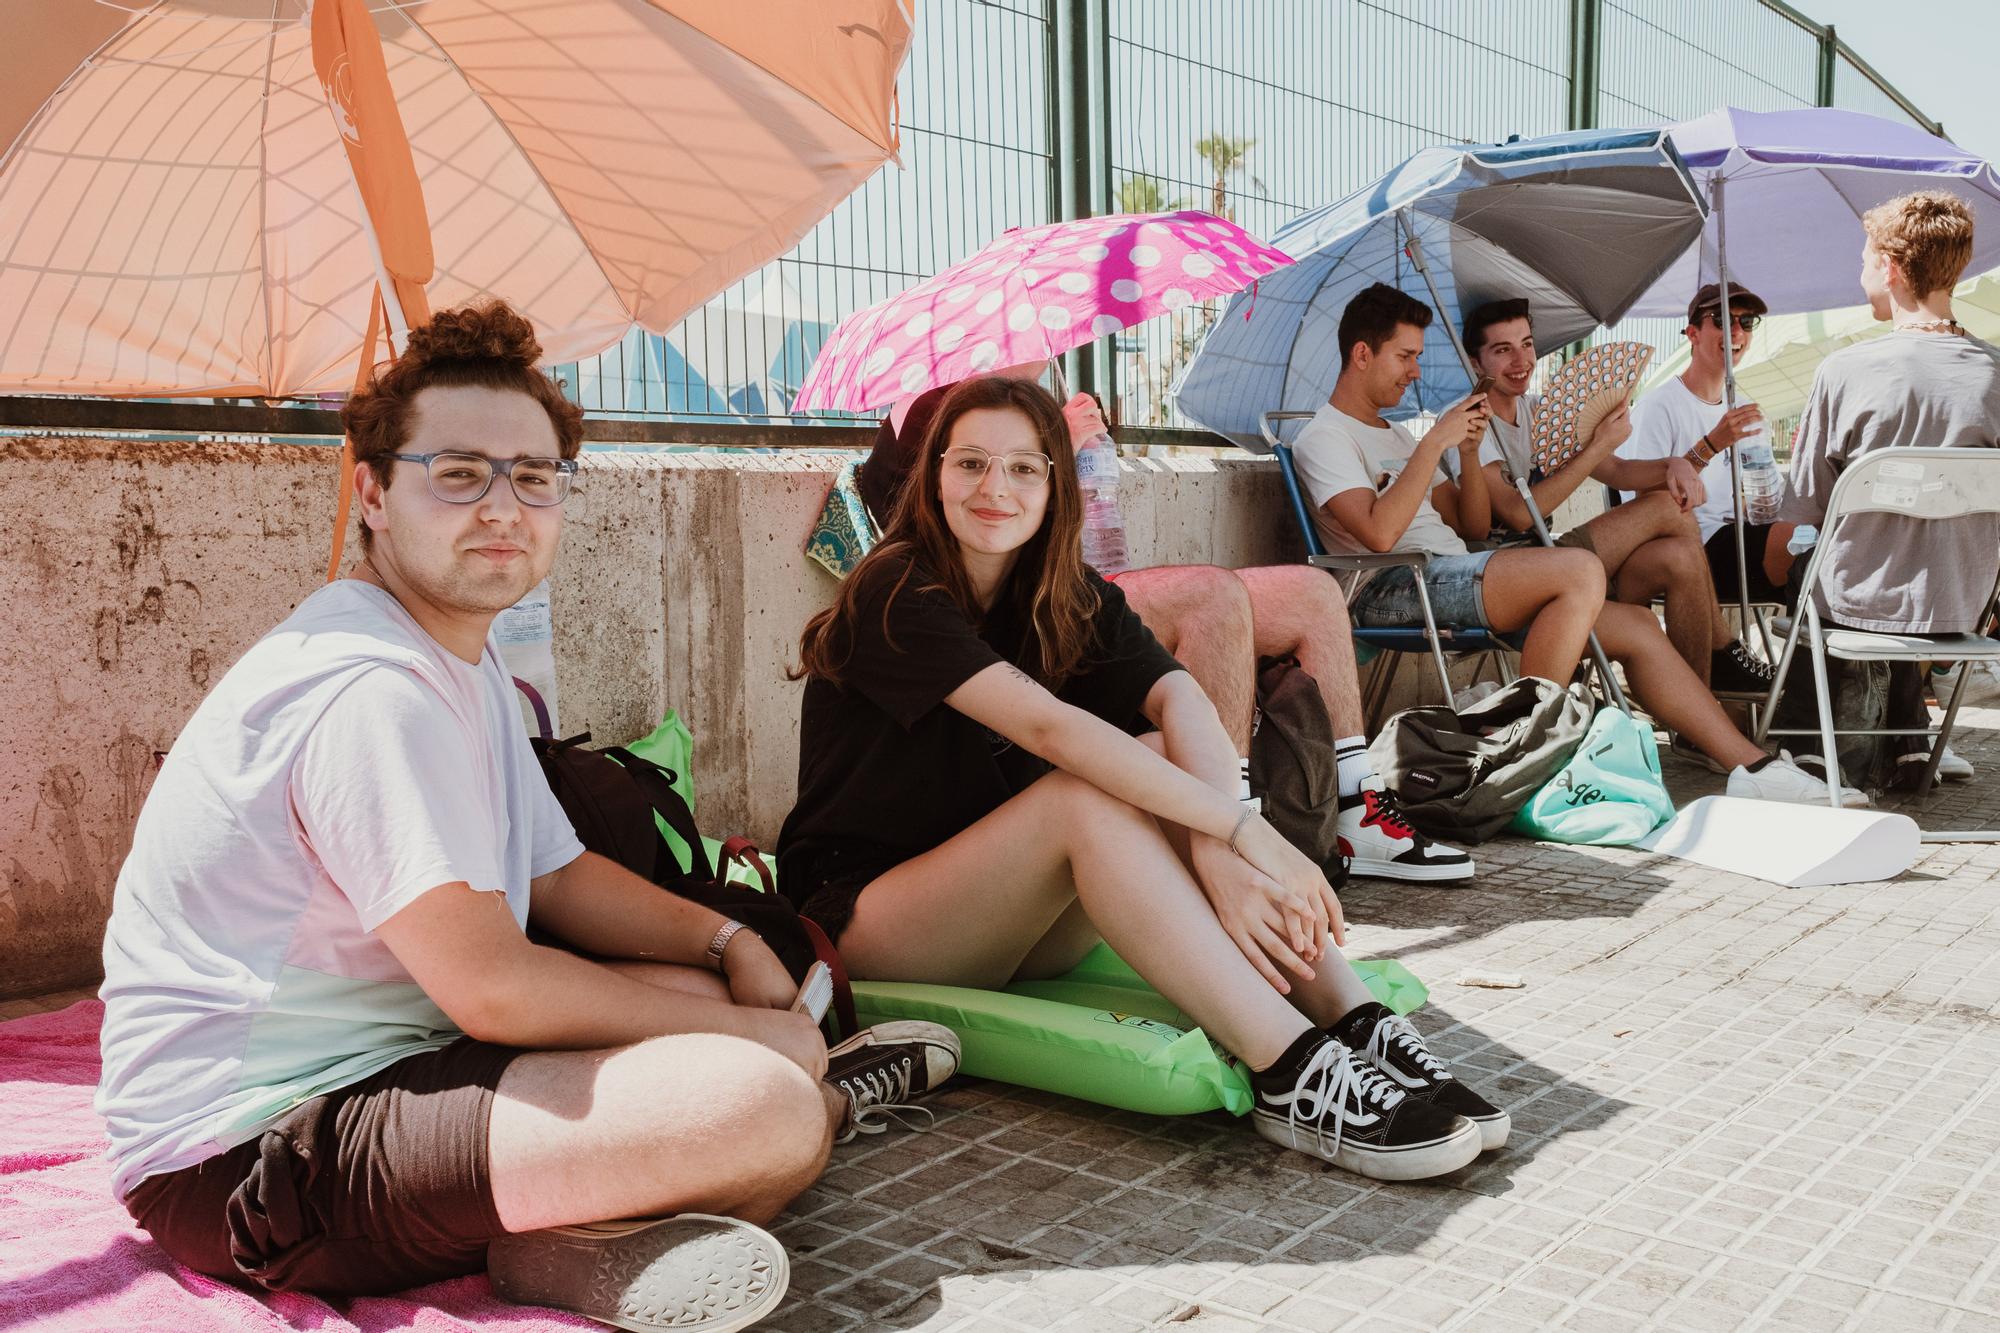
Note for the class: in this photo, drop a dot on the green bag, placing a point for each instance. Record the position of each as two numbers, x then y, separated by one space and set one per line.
1608 794
671 746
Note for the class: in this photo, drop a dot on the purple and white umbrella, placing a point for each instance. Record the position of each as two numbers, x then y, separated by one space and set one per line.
1031 295
1791 186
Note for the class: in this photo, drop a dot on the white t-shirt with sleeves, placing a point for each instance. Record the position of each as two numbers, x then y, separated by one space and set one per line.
347 764
1667 420
1334 452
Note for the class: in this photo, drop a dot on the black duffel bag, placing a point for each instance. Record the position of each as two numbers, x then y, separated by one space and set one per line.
1460 777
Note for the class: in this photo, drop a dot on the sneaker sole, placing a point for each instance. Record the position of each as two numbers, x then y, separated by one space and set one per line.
1493 1130
1366 868
689 1272
1420 1161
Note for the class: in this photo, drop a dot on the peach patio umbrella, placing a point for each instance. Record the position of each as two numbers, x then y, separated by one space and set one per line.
182 182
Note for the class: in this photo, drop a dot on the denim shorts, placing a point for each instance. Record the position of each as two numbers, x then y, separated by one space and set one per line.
1457 588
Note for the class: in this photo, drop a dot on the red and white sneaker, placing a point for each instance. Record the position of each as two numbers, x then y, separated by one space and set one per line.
1378 841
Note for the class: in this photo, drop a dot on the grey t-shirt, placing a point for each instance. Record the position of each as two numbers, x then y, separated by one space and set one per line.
1884 571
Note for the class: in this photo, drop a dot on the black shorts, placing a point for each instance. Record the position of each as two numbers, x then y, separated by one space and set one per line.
370 1188
830 883
1721 550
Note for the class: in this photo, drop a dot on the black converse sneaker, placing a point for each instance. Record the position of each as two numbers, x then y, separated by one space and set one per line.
1387 1041
1737 670
1380 843
885 1068
1320 1099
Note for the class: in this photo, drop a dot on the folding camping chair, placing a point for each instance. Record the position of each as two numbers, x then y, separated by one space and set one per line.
1928 484
1388 644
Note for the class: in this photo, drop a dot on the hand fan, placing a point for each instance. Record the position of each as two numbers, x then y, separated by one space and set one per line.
1583 393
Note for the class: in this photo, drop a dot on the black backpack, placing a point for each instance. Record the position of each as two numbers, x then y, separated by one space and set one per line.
1292 765
611 796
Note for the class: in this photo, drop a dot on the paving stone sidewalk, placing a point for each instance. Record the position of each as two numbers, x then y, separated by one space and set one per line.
1735 1106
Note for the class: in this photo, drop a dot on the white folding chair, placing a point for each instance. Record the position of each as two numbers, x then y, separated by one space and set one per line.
1930 485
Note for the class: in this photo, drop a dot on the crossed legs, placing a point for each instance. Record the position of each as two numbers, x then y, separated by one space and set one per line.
680 1124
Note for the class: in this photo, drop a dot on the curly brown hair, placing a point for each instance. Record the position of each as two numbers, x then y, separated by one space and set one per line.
1047 587
489 346
1928 233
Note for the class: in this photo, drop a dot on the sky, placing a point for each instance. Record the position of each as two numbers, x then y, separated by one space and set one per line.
1940 54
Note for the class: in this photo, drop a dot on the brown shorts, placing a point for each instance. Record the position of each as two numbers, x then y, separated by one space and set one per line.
367 1189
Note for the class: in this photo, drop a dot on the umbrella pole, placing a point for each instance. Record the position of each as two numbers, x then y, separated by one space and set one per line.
1743 620
1414 248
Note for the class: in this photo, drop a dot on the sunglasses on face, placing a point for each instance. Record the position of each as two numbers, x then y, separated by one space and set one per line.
1747 323
970 463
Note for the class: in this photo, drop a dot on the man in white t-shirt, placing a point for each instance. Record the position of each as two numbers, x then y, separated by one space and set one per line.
1374 489
1680 427
1649 546
333 1060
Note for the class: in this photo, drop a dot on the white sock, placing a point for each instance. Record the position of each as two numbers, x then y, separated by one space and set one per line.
1355 772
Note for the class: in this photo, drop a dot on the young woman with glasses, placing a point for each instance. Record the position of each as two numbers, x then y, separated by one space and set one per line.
975 809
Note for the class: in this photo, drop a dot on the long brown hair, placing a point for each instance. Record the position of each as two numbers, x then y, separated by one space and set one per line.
1046 586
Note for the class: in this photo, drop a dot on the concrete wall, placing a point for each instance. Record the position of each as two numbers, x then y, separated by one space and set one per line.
136 573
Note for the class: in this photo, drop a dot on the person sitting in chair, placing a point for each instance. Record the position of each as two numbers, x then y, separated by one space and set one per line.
1649 547
1375 489
1928 382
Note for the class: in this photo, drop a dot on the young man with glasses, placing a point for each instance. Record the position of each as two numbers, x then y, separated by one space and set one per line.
333 1060
1682 426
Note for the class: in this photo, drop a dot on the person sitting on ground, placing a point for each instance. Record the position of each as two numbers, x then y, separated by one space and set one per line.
1374 489
1927 383
974 809
1219 623
1649 547
1681 426
333 1061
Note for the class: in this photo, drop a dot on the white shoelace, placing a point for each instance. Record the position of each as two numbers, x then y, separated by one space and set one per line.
1396 1032
879 1097
1330 1077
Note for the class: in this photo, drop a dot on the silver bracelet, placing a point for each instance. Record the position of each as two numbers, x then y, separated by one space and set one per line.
721 942
1241 820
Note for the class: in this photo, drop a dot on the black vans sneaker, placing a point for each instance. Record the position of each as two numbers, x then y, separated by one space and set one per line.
1387 1041
1320 1099
1737 670
885 1068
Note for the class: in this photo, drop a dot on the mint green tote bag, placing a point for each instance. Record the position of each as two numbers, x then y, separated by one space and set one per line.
1608 794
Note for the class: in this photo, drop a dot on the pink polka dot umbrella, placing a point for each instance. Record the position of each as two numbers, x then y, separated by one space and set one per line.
1031 295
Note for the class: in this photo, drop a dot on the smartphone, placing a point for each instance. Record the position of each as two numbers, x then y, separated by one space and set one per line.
1484 385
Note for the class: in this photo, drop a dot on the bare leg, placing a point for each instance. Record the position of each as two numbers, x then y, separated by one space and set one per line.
975 910
1678 570
1201 614
1556 594
1297 611
680 1124
1664 686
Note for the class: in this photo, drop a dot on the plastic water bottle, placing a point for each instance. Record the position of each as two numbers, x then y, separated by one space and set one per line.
1763 487
1103 521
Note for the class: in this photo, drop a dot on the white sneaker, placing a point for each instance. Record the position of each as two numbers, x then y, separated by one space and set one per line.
1783 780
692 1273
1982 688
1953 768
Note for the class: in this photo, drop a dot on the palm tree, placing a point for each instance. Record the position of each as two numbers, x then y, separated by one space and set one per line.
1225 155
1146 194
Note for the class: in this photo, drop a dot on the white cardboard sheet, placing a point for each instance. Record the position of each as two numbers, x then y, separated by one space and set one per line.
1801 846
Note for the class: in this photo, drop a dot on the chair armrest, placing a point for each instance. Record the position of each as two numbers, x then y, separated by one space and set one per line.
1267 424
1387 560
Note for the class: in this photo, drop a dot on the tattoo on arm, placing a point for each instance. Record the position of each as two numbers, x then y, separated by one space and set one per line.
1020 675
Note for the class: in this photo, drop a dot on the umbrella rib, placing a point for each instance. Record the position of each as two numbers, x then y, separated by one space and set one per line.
270 355
532 165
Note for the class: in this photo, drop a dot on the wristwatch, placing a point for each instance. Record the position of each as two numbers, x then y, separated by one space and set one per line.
721 942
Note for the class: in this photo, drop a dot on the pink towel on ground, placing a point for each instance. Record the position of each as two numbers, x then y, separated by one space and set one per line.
71 1259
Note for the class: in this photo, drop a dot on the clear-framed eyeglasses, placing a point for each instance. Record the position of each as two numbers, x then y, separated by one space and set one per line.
463 479
1027 469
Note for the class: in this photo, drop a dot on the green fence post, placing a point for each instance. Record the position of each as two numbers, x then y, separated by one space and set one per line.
1585 39
1077 191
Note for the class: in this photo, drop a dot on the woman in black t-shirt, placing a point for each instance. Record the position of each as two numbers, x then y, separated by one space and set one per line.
974 808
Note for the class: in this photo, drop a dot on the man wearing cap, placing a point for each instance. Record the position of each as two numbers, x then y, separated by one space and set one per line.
1681 427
